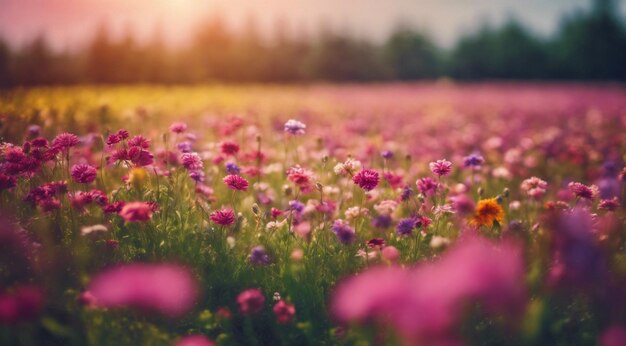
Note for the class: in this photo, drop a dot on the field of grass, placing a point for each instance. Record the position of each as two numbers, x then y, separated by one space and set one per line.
411 214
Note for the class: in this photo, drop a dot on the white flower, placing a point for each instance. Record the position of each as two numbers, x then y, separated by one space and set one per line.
91 229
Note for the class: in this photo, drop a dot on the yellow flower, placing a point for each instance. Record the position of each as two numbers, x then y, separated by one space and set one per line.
487 212
137 177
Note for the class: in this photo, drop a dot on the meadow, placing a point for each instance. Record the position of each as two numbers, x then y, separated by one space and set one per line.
381 214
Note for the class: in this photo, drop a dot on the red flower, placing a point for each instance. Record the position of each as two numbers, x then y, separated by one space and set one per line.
284 312
83 173
229 148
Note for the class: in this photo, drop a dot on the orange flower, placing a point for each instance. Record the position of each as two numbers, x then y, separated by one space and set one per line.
487 212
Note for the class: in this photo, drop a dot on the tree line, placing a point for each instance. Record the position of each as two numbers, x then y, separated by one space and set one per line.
587 46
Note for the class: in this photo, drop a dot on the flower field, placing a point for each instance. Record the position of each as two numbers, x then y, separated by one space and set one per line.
391 214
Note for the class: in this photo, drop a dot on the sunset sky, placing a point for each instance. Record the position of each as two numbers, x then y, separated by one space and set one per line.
69 23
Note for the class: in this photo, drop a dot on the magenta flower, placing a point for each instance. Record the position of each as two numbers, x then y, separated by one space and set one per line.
229 148
23 304
165 288
191 161
284 312
250 301
236 182
427 186
136 212
139 156
83 173
178 127
223 217
195 340
367 179
65 141
139 141
424 304
441 167
6 182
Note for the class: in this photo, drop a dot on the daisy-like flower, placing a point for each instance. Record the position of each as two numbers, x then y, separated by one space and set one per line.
487 212
223 217
367 179
295 127
83 173
441 167
236 182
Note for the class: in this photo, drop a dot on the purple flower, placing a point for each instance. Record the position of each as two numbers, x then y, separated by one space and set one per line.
232 168
405 226
83 173
294 127
406 193
473 160
165 288
382 221
367 179
259 257
441 167
197 176
387 154
344 233
296 206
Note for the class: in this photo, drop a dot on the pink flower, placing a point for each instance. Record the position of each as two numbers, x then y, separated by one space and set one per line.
236 182
300 176
534 187
139 141
165 288
178 127
441 167
284 312
139 156
425 303
23 304
223 217
195 340
391 254
83 173
136 212
65 141
613 336
367 179
191 161
583 191
250 301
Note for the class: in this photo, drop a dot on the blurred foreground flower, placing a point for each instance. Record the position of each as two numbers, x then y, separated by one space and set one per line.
165 288
425 303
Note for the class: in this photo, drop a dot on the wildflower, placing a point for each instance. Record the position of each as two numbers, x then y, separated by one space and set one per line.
463 204
229 148
259 257
393 179
406 193
136 212
473 161
65 141
191 161
534 187
437 242
23 304
140 156
250 301
165 288
194 340
236 182
367 179
284 312
113 139
184 147
441 167
223 217
382 221
83 173
139 141
178 127
583 191
297 255
344 233
354 212
296 206
387 154
487 213
376 243
349 167
300 176
93 229
232 168
6 182
197 176
405 226
609 204
427 186
294 127
275 213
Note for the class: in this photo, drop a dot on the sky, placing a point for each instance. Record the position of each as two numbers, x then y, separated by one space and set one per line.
68 24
